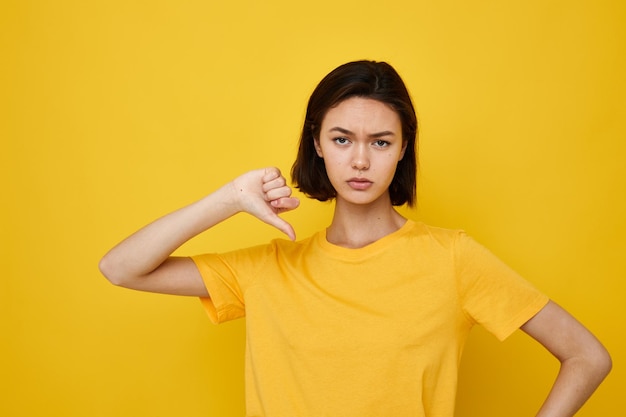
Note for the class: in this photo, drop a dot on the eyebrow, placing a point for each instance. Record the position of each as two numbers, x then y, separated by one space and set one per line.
373 135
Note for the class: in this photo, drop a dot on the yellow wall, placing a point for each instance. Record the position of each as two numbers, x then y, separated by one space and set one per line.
115 112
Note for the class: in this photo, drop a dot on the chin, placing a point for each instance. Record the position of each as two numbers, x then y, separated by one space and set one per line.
362 198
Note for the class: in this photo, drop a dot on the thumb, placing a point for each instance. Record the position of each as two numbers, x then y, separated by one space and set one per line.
281 225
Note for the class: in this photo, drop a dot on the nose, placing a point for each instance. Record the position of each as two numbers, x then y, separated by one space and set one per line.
360 158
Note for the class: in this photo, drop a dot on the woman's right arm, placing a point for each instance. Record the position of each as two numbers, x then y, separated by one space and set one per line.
143 261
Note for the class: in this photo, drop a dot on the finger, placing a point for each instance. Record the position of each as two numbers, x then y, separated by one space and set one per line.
285 204
281 225
277 182
288 230
278 193
270 174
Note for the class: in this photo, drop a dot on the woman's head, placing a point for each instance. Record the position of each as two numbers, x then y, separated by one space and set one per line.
366 79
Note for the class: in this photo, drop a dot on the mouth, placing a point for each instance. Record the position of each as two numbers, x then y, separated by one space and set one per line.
359 183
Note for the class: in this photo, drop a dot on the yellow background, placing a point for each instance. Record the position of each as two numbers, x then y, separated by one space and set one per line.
116 112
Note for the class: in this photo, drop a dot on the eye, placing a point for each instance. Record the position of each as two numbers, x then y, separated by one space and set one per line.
341 140
381 143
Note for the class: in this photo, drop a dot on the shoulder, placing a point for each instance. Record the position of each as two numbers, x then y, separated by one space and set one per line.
262 252
434 235
457 243
287 247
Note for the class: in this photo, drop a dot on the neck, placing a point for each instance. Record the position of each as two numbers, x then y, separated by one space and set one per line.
356 226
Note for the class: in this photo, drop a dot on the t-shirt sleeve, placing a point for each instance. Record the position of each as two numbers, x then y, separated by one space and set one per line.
492 294
226 277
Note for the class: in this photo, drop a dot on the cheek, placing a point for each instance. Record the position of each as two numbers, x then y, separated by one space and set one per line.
332 160
392 159
391 164
334 168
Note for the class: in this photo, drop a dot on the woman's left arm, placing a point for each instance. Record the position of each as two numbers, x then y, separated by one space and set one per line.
584 361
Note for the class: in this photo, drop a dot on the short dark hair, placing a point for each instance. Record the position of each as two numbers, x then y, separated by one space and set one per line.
368 79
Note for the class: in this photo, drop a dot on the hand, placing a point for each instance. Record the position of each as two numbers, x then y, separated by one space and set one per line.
264 194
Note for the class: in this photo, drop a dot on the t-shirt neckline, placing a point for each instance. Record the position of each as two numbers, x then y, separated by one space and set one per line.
365 251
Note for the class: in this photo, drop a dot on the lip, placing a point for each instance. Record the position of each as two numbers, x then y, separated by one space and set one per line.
359 183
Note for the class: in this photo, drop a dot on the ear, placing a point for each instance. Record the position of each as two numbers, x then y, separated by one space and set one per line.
318 148
404 145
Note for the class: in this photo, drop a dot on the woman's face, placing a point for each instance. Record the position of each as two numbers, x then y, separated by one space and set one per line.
361 143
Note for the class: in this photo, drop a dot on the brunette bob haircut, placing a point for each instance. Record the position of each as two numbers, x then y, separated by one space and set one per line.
367 79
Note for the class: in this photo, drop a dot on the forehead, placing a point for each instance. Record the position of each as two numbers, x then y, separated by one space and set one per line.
364 113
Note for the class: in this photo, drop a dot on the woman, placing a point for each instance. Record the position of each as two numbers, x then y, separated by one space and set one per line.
367 317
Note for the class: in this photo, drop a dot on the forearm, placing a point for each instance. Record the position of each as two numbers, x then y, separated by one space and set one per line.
143 261
143 251
584 360
578 378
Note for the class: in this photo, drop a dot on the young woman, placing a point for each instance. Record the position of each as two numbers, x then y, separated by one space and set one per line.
367 317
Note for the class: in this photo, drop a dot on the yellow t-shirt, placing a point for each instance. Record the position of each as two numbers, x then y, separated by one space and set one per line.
370 332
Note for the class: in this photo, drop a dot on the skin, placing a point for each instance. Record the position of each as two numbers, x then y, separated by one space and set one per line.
143 261
361 144
584 361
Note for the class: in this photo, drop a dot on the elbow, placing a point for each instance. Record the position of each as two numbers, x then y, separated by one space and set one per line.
110 271
603 362
118 272
597 362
